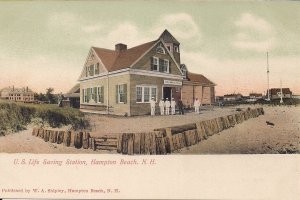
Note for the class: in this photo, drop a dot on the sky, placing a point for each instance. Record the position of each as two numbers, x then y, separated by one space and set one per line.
45 43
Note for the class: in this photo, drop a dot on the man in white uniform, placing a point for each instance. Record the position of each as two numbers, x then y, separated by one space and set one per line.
197 105
173 104
167 105
152 106
162 106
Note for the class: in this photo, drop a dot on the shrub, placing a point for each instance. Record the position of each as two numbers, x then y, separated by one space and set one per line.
15 116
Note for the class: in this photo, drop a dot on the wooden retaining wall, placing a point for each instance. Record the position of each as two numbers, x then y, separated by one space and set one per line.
170 139
159 142
78 140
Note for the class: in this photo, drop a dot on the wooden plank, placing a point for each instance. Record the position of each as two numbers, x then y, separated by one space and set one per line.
109 148
160 146
93 145
131 144
142 143
173 140
152 143
147 143
78 140
67 138
137 143
46 135
125 143
170 136
167 144
107 137
60 137
85 140
107 143
119 144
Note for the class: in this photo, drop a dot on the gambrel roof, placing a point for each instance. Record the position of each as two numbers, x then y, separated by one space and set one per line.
116 60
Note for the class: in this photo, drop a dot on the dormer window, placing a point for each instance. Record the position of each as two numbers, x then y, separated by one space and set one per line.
176 49
160 50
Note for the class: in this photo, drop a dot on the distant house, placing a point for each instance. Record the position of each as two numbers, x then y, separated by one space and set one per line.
17 94
254 97
72 97
124 80
275 93
233 97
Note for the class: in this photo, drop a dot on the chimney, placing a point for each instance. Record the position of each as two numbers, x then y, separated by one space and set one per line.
120 47
27 89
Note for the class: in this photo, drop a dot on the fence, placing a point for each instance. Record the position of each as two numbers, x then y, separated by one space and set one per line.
160 141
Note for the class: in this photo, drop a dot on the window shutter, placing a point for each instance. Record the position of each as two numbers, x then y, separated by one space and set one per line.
88 94
95 94
125 93
169 67
161 65
102 94
117 91
82 96
151 64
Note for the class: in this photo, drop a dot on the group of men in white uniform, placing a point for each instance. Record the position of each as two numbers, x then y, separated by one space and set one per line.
165 106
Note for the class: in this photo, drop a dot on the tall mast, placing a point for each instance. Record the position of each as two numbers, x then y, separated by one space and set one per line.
268 71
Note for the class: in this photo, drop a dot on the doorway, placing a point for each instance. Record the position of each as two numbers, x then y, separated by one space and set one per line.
167 93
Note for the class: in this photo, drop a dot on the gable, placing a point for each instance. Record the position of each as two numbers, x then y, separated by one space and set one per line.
145 62
93 66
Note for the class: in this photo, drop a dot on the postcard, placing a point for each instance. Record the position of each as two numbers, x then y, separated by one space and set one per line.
149 99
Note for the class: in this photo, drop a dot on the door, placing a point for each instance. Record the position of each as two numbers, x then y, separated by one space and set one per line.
167 93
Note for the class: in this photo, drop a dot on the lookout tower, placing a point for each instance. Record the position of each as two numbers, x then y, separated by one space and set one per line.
172 44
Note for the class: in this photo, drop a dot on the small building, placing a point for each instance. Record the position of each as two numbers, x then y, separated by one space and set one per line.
253 97
275 93
123 81
72 97
196 86
233 97
17 94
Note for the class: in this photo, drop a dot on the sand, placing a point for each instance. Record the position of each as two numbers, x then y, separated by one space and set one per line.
252 136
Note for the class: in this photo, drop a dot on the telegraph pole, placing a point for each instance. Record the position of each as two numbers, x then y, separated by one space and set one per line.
281 94
268 72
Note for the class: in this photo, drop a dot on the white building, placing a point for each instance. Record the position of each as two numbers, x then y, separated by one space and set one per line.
17 94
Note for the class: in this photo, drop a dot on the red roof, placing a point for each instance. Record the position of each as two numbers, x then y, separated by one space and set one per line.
274 91
114 60
199 78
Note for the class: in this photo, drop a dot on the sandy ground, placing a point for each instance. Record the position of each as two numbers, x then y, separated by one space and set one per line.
109 125
252 136
255 136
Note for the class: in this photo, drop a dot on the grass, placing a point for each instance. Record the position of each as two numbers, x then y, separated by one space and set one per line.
15 116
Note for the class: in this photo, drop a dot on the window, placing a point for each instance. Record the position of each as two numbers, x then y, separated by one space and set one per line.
169 48
121 91
153 92
145 93
154 64
166 66
100 94
91 70
176 49
160 50
97 70
85 96
139 94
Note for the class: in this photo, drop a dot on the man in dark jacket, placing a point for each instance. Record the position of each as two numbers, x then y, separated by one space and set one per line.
180 107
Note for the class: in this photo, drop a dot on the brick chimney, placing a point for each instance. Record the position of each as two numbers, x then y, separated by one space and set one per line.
120 47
